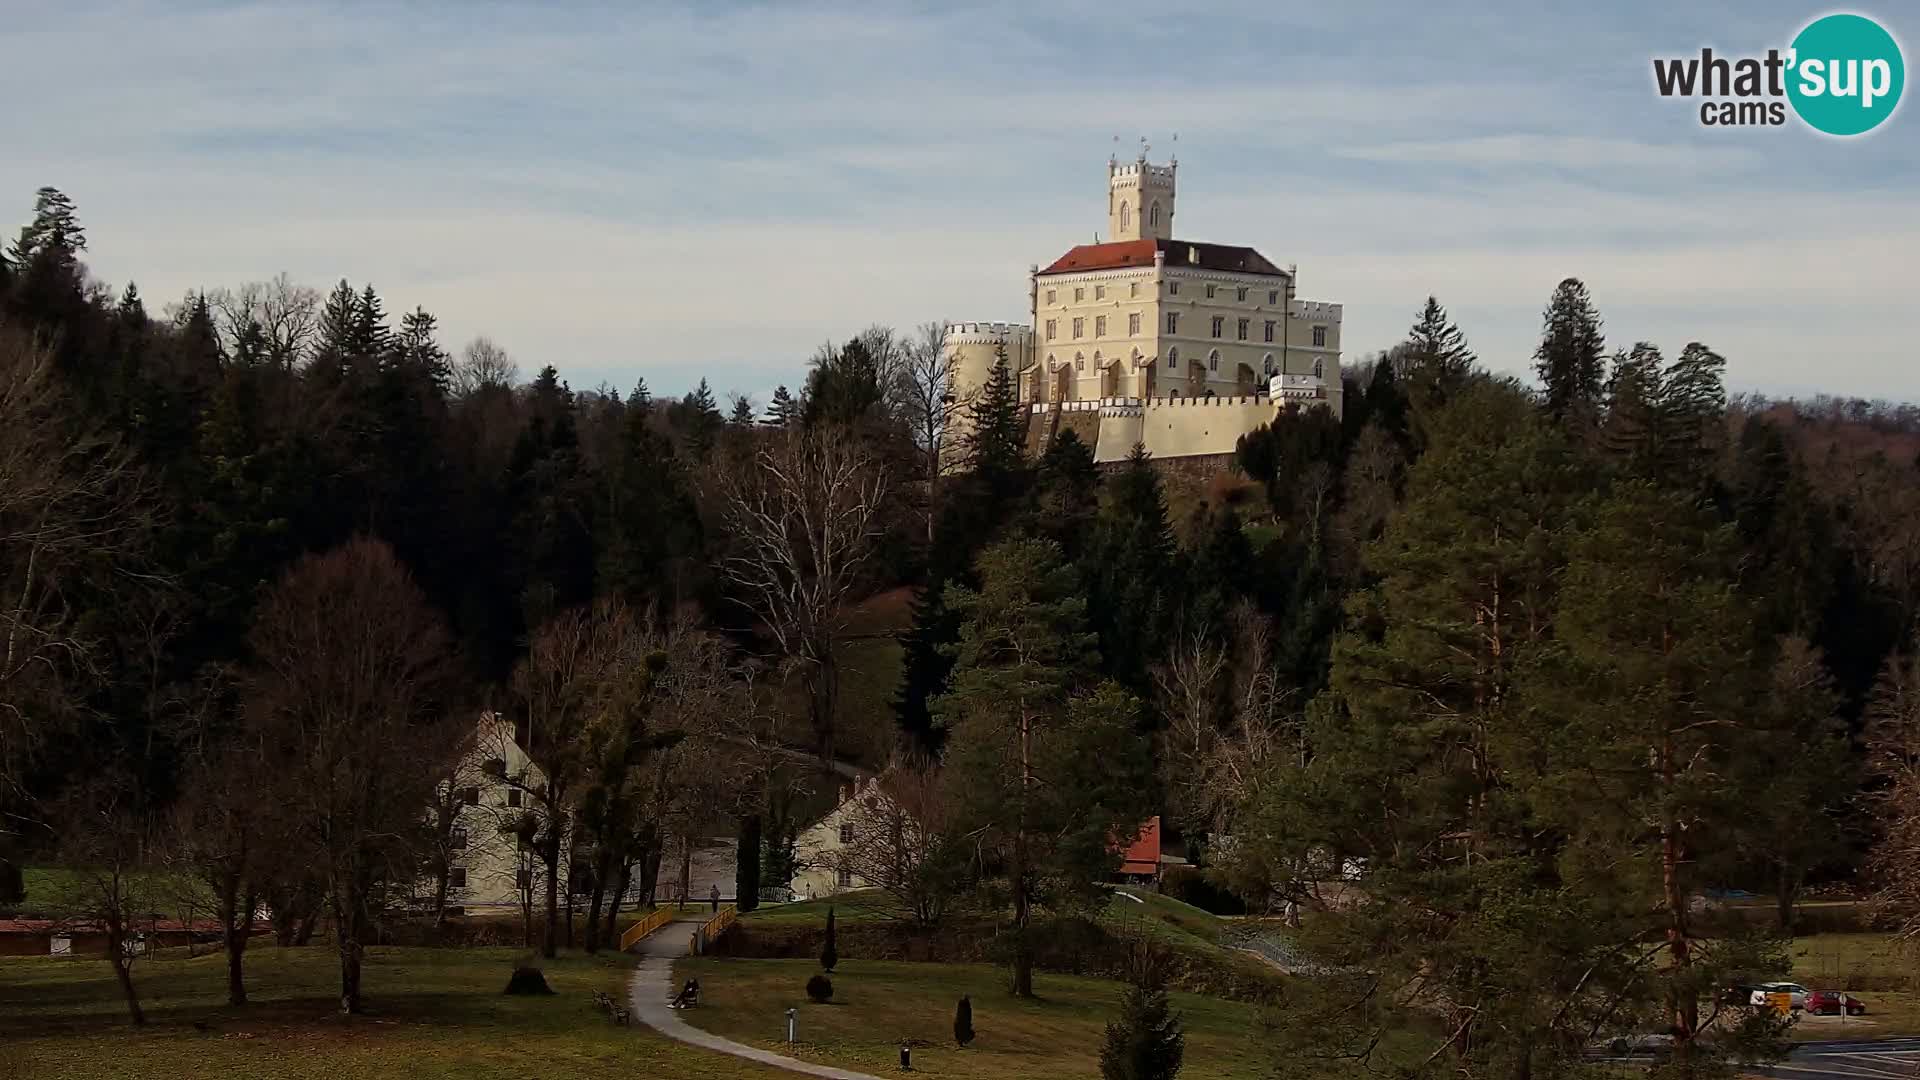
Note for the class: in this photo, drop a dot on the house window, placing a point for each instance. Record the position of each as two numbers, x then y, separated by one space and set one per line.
1051 327
1173 288
1219 324
457 877
846 832
1240 293
1242 330
1050 296
1319 368
1173 358
1133 288
844 878
1213 360
1099 326
513 796
1269 331
1173 322
1099 292
1320 336
470 795
1273 296
1079 294
1209 292
1133 324
1079 327
457 839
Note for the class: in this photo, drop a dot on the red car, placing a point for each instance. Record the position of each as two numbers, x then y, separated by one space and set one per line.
1831 1002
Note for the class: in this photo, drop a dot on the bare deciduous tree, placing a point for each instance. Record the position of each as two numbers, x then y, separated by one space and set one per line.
355 688
928 393
897 835
483 364
107 845
1893 749
288 315
804 515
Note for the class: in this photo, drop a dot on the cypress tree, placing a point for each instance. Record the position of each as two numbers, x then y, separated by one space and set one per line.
830 952
963 1021
1145 1042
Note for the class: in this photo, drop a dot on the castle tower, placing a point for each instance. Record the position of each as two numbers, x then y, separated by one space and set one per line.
1140 199
975 347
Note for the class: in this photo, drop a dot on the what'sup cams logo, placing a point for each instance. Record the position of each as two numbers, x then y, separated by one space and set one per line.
1842 75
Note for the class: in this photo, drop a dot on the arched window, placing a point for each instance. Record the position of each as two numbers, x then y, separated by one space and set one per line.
1153 216
1051 362
1266 365
1213 360
1079 361
1096 359
1126 216
1173 393
1319 368
1173 358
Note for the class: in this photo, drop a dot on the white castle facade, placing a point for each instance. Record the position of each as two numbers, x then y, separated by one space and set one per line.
1178 346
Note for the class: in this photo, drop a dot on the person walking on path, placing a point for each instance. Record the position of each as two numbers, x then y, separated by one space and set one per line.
713 894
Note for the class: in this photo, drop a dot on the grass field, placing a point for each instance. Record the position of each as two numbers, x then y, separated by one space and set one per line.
434 1013
878 1004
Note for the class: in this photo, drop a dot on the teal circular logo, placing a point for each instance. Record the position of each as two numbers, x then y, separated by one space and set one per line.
1845 74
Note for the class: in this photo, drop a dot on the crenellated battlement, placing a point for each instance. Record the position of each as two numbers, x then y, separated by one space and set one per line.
1316 309
987 333
1141 170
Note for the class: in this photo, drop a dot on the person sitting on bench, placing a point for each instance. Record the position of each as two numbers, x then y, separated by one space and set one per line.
689 995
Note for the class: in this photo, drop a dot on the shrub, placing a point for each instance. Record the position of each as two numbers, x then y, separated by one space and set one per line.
1144 1042
830 952
820 989
528 980
963 1021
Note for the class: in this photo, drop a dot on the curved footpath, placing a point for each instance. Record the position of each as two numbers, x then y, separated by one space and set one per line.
652 987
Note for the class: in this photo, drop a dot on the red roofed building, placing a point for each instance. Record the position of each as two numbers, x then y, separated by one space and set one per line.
1140 860
1144 339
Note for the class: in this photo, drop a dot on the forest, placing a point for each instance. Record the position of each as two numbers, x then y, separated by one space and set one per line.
1483 684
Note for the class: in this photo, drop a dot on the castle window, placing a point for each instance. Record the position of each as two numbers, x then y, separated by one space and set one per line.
1079 327
1240 293
1133 324
1099 326
1099 292
1267 365
1273 296
1079 294
1219 325
1269 331
1173 393
1209 292
1242 330
1051 326
1173 358
1173 288
1079 361
1126 216
1153 216
1051 295
1133 288
1173 322
1213 360
1319 368
1320 336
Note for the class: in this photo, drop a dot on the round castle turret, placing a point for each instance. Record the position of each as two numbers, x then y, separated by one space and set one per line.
974 347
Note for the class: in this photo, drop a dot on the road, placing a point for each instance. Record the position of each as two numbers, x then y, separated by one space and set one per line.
1886 1059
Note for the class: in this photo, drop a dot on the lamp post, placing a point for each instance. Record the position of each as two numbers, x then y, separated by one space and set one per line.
791 1025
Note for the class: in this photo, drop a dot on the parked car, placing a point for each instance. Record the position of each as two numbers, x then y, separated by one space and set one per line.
1797 993
1833 1002
1658 1045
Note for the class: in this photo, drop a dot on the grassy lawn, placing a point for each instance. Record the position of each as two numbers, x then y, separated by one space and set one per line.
877 1004
434 1013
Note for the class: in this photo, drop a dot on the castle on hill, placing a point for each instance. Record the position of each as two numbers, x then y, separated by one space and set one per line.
1178 346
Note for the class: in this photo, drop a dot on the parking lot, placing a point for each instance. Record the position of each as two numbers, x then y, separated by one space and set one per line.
1889 1059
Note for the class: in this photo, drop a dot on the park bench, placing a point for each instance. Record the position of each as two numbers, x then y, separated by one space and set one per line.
614 1010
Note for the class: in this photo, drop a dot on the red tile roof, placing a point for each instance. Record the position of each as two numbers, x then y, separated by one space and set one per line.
1123 253
1143 855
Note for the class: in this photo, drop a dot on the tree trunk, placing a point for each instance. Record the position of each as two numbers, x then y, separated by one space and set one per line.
348 930
1681 1000
1786 891
619 894
746 874
569 904
234 926
550 940
123 968
686 868
601 871
442 878
236 955
650 872
1022 872
303 933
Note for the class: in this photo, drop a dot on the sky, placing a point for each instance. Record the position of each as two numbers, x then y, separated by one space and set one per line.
626 190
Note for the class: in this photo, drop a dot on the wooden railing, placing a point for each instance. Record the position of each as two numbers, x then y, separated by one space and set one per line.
711 930
654 921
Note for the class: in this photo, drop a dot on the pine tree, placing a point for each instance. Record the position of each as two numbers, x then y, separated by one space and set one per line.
996 430
785 411
1145 1042
641 399
963 1021
55 231
742 413
370 337
1131 574
419 350
1571 359
925 666
1663 420
1066 494
701 420
1435 364
333 339
830 952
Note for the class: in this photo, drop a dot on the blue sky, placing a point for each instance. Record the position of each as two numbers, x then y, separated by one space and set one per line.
587 184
